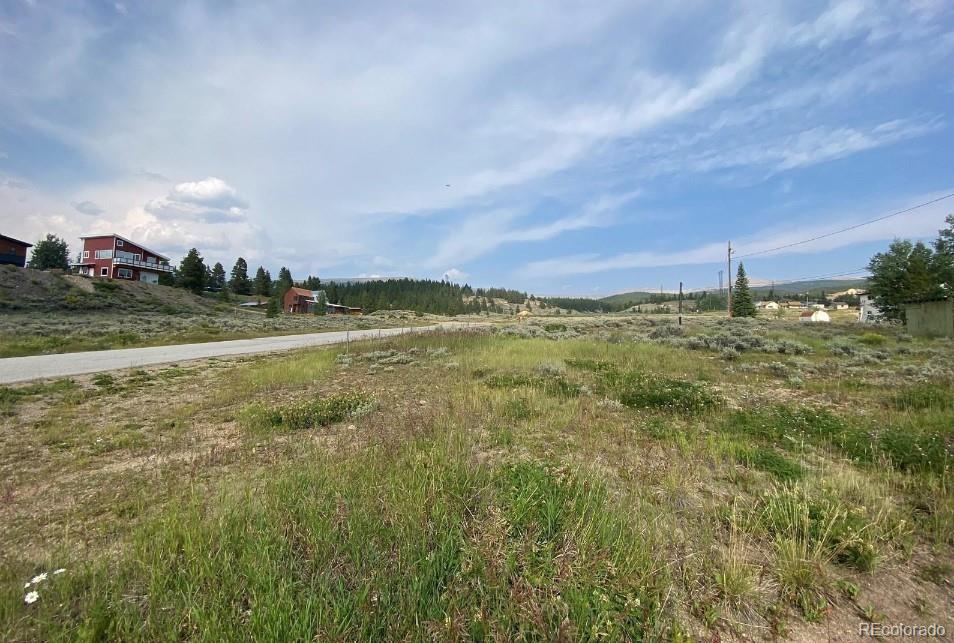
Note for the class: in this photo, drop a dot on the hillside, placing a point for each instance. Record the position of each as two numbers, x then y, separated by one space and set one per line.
635 297
814 287
25 290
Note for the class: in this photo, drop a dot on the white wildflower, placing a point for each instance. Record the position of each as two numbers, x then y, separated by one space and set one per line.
59 571
39 578
31 598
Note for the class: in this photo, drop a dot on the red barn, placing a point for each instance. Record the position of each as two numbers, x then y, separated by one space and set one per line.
114 257
13 251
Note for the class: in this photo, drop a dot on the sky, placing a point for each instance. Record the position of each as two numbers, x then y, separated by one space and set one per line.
563 148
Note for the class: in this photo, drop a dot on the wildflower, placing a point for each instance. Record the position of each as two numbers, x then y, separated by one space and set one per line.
39 578
59 571
31 598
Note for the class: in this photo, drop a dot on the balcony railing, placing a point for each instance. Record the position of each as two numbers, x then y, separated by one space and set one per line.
151 265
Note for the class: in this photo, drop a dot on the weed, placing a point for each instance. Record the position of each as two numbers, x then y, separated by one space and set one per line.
643 391
306 414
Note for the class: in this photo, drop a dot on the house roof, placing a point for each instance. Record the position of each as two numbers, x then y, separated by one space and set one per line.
303 292
22 243
135 243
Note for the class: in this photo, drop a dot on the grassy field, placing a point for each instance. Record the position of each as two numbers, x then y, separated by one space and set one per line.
576 478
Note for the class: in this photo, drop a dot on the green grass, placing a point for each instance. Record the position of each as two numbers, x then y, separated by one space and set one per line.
413 545
306 414
480 487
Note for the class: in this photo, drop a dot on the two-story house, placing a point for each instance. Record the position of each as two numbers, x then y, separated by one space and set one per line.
114 257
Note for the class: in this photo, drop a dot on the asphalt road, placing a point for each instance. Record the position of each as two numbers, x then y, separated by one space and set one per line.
21 369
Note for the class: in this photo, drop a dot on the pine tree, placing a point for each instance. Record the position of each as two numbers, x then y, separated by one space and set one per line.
51 252
239 283
273 308
284 283
322 303
217 277
262 285
742 305
191 274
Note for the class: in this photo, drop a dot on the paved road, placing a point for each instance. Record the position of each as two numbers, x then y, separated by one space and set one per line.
20 369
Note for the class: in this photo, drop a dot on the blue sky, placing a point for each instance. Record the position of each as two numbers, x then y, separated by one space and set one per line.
564 148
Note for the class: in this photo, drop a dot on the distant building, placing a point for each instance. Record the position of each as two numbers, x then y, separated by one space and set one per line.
840 305
867 311
930 318
302 300
110 256
13 251
814 316
767 305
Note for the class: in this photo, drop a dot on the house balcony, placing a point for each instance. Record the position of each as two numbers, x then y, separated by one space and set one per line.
148 265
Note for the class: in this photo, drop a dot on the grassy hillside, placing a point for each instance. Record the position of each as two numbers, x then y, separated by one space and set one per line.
43 312
25 290
636 297
814 287
599 479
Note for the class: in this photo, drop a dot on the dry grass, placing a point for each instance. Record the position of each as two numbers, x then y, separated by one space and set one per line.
501 487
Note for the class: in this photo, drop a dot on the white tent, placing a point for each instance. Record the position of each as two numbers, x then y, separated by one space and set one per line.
814 316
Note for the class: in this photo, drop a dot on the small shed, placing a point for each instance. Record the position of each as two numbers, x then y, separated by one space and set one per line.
930 318
814 316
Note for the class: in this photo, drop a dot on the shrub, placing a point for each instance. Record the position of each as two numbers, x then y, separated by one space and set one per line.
644 391
307 414
872 339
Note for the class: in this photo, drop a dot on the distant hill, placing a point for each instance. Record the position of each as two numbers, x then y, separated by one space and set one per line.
813 287
623 298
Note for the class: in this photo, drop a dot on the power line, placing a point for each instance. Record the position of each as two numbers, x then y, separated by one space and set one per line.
849 228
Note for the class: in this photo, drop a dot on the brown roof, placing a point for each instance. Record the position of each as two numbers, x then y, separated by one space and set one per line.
22 243
304 292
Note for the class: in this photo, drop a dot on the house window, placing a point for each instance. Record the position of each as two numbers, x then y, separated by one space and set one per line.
104 272
86 254
104 254
124 273
119 243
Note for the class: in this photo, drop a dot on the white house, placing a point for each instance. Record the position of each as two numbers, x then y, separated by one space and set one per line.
767 305
840 305
814 316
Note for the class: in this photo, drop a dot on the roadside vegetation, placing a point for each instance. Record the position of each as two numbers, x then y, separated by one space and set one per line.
614 477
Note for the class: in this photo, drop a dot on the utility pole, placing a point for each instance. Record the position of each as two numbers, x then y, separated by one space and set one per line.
721 291
729 299
680 303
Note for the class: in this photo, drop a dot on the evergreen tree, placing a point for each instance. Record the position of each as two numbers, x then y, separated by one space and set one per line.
906 272
742 305
321 306
273 307
217 277
50 253
262 285
944 257
284 283
225 295
239 282
191 274
312 283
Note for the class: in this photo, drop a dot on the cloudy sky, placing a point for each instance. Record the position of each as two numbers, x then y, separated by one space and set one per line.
561 147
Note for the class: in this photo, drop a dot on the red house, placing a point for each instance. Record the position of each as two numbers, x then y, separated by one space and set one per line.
13 251
114 257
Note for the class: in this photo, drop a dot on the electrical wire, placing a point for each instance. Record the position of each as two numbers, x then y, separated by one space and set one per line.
848 229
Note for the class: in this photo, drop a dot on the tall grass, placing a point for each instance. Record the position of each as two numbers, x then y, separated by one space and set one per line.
410 546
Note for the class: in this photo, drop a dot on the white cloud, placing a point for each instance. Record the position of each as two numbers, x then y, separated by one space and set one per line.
211 200
454 275
924 222
485 232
